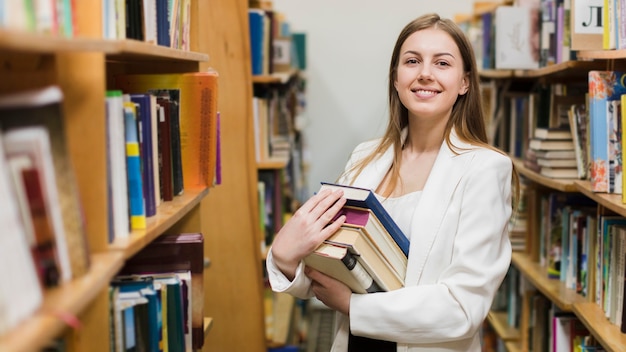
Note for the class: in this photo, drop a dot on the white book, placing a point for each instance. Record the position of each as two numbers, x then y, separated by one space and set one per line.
116 160
20 292
515 47
34 141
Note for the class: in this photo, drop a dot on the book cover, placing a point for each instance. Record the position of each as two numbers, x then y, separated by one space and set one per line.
43 107
118 220
364 220
614 115
545 144
21 291
604 86
339 263
359 244
137 210
198 118
365 198
514 47
165 149
586 24
578 121
146 141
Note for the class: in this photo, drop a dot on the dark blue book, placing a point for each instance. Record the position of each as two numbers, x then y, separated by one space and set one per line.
144 117
365 198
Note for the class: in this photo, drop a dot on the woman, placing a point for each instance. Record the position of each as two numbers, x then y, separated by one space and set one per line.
448 190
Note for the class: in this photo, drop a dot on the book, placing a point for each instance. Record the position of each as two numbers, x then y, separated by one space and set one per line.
339 263
554 154
21 292
514 38
43 107
557 163
198 115
586 25
579 122
604 86
117 183
559 172
137 210
553 133
374 232
358 243
147 147
174 253
365 198
546 144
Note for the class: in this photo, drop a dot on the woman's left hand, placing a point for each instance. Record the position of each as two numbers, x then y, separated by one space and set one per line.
333 293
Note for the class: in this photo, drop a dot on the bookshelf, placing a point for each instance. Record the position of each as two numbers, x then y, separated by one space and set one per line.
83 67
528 263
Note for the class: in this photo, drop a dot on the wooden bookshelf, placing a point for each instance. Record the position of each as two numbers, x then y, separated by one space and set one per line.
568 69
168 214
594 319
608 200
498 321
563 185
272 164
62 304
553 289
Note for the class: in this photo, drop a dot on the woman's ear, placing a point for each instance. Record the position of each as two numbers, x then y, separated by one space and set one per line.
464 85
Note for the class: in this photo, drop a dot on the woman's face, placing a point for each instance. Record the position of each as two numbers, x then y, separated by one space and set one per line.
430 74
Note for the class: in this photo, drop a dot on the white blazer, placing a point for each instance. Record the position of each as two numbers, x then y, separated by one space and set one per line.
459 254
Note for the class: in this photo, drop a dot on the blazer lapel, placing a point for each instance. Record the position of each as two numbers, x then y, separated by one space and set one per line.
442 181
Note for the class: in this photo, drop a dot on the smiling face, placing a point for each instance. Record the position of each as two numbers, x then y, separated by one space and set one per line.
430 74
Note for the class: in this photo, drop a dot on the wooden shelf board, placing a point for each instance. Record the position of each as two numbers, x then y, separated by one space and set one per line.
208 324
128 49
69 299
553 289
272 164
564 68
601 54
563 185
496 74
168 213
609 200
499 322
609 335
133 49
276 77
513 346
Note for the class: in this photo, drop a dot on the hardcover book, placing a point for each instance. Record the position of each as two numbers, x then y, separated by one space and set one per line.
43 107
365 198
604 87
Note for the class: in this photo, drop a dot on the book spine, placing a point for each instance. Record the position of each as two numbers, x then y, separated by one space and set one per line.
360 274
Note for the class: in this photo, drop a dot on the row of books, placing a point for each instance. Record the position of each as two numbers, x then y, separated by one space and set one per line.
270 41
43 242
369 252
162 134
537 33
585 250
54 17
161 22
157 298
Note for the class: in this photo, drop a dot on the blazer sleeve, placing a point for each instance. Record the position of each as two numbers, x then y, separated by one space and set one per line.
468 260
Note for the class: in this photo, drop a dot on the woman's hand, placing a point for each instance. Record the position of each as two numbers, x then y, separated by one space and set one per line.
333 293
306 230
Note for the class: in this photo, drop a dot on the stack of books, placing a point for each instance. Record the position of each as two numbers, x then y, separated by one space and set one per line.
369 252
552 153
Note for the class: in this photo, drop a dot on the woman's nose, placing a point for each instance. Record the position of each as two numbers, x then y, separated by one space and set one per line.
424 73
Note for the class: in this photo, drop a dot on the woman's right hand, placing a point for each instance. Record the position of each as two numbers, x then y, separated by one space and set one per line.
306 230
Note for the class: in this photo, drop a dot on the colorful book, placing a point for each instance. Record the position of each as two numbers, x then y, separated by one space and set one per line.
147 139
365 198
136 204
604 86
198 118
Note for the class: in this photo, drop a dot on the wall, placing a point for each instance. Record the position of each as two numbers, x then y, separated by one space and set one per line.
349 44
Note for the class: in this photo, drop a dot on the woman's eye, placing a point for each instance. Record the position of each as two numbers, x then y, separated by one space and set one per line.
411 61
443 63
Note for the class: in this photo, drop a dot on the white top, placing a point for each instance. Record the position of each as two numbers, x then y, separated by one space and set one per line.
402 209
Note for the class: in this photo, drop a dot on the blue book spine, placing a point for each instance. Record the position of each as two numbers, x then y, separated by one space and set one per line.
145 134
256 18
133 166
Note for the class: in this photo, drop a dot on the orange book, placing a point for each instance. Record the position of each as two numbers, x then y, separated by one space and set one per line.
198 118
